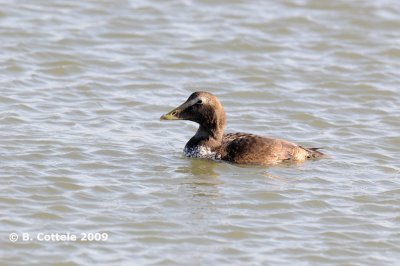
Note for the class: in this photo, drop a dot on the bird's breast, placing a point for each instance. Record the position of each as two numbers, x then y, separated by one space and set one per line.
200 152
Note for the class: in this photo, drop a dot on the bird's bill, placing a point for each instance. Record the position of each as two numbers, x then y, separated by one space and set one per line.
177 113
173 115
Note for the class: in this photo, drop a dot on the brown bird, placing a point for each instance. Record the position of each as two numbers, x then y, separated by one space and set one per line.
241 148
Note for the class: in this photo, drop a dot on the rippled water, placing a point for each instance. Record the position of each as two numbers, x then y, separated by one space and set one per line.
83 84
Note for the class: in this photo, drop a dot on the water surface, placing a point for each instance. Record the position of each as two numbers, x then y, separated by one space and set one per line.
83 85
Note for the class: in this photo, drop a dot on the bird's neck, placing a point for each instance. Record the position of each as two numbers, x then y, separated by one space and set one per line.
207 137
210 132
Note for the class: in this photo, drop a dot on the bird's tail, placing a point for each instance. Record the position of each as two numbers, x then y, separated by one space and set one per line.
314 153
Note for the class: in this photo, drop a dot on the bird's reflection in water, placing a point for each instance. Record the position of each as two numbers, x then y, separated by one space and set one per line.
200 168
200 188
203 171
262 170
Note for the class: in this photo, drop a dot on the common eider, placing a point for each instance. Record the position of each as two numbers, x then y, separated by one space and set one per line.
241 148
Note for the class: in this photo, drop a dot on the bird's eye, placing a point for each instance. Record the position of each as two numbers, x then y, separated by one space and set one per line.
199 101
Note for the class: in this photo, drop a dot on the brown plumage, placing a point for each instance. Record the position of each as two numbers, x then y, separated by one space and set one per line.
242 148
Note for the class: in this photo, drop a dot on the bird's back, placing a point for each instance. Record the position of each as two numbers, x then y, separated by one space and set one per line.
243 148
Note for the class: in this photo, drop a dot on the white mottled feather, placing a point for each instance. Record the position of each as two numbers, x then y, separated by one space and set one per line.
199 152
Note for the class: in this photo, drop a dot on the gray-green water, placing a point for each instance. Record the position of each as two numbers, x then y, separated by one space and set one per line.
83 84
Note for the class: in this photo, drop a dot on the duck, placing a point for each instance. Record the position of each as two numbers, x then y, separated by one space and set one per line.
211 142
